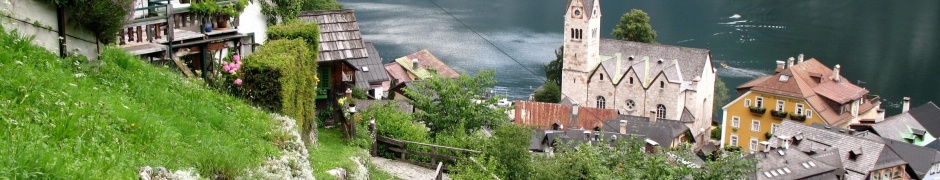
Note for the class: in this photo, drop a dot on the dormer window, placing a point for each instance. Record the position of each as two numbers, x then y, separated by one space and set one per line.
783 78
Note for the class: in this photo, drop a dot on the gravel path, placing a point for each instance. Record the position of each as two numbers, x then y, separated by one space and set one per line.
404 170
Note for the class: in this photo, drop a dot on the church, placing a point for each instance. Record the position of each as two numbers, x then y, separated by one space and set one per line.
634 78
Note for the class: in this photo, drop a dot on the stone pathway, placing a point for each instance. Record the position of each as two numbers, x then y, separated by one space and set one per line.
404 170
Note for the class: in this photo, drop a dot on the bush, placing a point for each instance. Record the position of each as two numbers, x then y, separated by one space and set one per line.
104 18
316 5
281 76
297 30
549 93
284 10
716 133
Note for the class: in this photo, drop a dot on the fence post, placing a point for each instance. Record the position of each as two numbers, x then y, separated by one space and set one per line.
433 151
372 133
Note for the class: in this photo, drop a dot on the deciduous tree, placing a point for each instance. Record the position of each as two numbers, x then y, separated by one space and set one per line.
635 26
445 103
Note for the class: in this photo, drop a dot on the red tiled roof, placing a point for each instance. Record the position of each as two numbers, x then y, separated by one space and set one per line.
543 115
811 80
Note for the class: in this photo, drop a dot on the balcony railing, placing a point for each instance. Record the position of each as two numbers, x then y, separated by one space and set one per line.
161 22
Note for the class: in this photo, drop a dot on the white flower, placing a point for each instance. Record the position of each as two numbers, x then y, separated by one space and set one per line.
73 85
19 62
79 75
125 107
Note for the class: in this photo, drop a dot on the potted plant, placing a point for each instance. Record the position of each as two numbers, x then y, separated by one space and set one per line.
768 135
778 114
798 117
207 8
229 11
757 110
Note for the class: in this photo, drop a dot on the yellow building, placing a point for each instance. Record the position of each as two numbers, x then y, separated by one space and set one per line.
806 92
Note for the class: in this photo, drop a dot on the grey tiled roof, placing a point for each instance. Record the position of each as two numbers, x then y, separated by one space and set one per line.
588 7
892 127
929 116
339 34
783 163
687 116
662 131
918 158
691 61
376 74
873 153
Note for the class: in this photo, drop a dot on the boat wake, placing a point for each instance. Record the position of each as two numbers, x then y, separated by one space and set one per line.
730 71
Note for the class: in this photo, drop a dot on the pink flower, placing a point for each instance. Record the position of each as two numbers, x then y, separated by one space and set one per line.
226 67
237 58
238 81
231 71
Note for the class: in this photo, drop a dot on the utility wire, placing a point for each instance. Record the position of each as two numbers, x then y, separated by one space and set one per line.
500 49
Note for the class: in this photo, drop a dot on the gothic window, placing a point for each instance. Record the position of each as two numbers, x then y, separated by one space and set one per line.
572 33
631 105
661 111
601 103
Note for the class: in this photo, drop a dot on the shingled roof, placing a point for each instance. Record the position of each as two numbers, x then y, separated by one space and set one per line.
868 154
588 7
899 126
376 73
919 159
678 63
339 34
543 115
662 131
810 80
929 116
403 69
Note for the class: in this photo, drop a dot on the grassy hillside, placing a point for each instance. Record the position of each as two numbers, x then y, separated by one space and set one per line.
60 119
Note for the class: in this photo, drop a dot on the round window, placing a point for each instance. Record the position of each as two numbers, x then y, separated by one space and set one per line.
631 105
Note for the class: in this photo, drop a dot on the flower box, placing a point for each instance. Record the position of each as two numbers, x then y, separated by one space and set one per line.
758 110
797 117
778 114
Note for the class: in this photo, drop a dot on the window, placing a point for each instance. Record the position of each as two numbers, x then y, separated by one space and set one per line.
799 109
753 144
662 84
572 33
809 113
602 76
601 103
661 111
759 101
755 125
631 105
735 122
780 104
734 140
555 126
631 80
747 103
773 128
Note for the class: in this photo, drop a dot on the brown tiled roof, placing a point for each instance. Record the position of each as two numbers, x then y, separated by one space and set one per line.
811 80
402 70
543 115
339 34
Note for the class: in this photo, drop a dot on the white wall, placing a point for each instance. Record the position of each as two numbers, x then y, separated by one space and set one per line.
24 16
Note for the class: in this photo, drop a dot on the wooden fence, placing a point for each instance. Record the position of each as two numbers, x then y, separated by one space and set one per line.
400 147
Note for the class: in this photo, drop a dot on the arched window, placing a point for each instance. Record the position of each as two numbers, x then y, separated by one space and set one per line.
601 103
661 111
572 33
555 126
631 105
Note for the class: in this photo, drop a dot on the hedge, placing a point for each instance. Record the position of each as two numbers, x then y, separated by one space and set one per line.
297 29
280 77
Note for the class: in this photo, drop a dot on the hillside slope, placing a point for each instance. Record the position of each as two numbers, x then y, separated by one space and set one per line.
65 119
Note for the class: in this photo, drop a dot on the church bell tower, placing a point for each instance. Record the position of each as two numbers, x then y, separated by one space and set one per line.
581 48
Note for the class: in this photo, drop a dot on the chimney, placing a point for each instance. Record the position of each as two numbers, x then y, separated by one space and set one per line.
414 63
623 126
587 135
881 116
835 73
906 105
574 109
652 116
800 58
790 62
781 65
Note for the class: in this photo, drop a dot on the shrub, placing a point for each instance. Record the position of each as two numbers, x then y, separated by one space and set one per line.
316 5
280 77
716 133
104 18
297 29
284 10
550 93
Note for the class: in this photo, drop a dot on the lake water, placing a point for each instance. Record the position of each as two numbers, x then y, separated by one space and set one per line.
890 47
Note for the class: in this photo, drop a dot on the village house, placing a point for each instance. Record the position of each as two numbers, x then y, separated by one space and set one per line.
909 126
634 78
805 91
413 67
862 154
345 60
590 125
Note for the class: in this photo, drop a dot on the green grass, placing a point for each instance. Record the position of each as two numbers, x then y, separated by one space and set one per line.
334 152
64 119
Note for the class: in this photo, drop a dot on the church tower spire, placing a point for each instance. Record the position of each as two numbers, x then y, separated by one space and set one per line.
581 47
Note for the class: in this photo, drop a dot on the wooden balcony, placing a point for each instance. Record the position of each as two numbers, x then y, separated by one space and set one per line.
161 26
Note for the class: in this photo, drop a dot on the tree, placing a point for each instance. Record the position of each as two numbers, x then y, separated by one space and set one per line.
505 155
447 104
721 97
550 93
553 68
635 26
